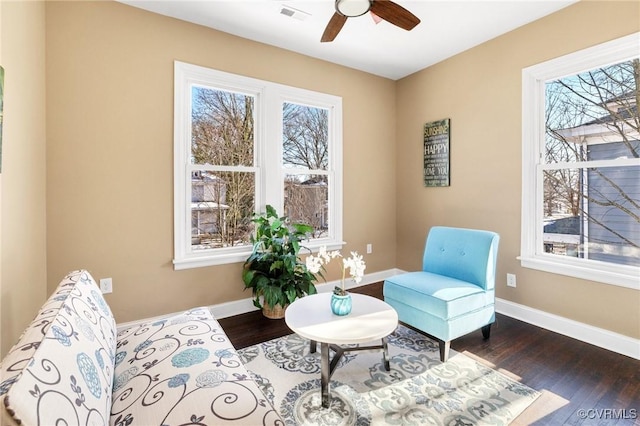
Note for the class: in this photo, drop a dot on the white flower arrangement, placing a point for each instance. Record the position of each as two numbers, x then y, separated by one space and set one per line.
355 264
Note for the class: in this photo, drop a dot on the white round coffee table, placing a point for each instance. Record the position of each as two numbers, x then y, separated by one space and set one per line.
370 319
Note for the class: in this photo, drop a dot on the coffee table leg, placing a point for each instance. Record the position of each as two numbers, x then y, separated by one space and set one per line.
385 352
313 347
325 373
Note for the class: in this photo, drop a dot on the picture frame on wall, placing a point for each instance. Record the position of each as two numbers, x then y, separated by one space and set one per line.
437 141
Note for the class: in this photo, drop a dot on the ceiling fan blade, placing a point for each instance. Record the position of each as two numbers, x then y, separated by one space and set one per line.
333 27
395 14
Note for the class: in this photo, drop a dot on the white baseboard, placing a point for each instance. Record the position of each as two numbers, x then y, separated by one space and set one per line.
228 309
242 306
606 339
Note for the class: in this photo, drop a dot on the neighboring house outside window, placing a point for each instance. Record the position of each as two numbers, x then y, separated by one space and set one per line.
606 227
242 143
208 213
581 164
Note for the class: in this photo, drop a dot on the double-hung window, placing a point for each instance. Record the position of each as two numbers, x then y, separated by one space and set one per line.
581 164
241 144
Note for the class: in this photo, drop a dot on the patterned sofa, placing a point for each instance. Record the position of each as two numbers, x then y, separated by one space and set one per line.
72 366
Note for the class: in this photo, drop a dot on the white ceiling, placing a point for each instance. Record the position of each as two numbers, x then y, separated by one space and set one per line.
448 27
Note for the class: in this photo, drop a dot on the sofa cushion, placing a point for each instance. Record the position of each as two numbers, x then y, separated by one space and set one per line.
439 295
61 369
183 370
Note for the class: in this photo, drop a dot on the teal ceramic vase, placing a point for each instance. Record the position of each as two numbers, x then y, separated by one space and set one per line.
341 305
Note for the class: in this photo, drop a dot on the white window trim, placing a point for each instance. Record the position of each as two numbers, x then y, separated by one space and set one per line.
534 79
269 178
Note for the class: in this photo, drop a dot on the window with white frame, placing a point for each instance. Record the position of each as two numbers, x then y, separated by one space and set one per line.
581 164
241 144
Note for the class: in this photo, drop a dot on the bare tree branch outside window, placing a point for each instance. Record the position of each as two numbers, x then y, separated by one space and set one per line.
223 198
223 201
305 152
593 211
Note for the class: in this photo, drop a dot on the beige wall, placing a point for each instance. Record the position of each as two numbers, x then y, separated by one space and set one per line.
2 344
108 204
110 150
480 90
22 202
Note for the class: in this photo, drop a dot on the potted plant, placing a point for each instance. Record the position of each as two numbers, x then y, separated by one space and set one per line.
340 299
274 271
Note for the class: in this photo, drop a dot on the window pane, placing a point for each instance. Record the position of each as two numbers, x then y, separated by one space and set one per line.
222 206
222 131
305 137
306 199
593 213
593 107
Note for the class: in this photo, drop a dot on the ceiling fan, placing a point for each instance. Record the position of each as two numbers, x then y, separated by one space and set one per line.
385 9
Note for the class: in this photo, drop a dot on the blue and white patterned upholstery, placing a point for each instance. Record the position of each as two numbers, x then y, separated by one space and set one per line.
183 370
72 366
62 366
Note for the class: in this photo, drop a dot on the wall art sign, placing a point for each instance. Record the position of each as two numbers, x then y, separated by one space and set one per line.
437 137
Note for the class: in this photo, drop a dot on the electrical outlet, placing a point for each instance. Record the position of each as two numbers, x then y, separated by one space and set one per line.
106 285
369 248
511 280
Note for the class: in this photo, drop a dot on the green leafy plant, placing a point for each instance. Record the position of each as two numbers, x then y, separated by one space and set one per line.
274 270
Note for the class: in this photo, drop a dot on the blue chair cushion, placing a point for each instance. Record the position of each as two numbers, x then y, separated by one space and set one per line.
439 295
466 254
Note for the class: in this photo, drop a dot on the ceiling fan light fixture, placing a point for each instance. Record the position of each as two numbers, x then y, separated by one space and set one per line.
386 10
353 8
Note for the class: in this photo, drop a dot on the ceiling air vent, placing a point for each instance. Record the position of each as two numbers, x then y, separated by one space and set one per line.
294 13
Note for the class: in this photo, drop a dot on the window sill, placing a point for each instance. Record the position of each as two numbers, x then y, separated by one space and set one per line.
622 276
203 261
241 256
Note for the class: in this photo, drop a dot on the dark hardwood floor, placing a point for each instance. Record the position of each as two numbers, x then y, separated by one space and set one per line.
580 383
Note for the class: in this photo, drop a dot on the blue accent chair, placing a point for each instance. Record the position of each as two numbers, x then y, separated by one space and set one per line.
454 294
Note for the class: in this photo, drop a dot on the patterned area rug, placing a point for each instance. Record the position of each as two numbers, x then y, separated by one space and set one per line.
418 390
